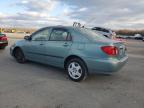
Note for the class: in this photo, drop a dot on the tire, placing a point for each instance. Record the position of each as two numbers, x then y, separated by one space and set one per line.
2 47
19 55
76 70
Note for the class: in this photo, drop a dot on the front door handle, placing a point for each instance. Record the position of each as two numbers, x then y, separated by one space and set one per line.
41 44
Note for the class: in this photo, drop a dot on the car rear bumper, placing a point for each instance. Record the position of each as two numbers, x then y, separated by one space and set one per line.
3 43
106 66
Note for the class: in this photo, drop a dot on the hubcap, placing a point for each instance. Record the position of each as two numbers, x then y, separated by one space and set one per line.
75 70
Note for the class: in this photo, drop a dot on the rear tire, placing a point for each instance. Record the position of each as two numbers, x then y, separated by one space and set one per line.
19 55
76 70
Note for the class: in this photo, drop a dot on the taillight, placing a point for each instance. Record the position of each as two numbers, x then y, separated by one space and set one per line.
110 50
3 38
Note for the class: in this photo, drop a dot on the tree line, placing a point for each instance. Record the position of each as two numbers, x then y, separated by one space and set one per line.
129 32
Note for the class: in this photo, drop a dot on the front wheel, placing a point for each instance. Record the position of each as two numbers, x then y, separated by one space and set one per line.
19 56
2 47
76 70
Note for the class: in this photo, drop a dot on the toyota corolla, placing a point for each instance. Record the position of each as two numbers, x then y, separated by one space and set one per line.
78 50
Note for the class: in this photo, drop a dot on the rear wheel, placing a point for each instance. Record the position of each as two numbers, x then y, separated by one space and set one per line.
76 70
19 56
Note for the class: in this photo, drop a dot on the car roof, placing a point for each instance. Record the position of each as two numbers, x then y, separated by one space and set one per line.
59 26
63 27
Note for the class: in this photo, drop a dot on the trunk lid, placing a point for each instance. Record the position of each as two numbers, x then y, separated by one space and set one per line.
121 49
118 44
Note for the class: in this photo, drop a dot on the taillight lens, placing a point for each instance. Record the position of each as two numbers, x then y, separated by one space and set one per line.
110 50
4 38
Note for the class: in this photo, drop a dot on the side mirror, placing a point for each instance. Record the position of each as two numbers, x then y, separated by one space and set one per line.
27 38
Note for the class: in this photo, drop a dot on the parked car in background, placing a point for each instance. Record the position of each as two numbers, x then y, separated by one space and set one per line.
105 32
138 37
130 37
143 38
108 33
3 41
80 51
122 36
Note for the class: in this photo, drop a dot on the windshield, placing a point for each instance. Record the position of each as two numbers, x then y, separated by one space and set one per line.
91 34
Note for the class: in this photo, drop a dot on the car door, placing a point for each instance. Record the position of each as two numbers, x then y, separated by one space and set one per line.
35 48
58 47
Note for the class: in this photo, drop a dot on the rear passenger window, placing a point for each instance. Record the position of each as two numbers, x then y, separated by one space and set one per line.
59 35
99 29
96 28
104 30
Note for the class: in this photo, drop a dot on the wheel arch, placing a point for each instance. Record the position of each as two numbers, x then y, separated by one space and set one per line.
17 47
72 57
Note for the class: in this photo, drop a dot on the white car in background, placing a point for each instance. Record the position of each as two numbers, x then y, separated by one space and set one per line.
108 33
143 38
105 32
138 37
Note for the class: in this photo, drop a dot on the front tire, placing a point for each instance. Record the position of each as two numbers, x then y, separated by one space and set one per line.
2 47
76 70
19 55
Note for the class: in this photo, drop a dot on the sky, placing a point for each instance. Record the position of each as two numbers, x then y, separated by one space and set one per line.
114 14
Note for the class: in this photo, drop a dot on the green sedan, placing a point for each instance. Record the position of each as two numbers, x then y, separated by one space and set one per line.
79 51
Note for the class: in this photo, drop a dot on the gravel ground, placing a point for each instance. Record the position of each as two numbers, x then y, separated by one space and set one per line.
34 85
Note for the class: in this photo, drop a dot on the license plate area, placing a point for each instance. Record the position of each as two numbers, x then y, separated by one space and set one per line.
122 50
3 42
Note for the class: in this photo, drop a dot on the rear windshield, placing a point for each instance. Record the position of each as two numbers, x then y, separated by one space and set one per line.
91 34
101 29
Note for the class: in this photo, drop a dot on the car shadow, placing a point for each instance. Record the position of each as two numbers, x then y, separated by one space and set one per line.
51 72
46 71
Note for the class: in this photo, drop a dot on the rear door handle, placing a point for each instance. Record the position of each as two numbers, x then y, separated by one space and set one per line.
41 44
65 44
